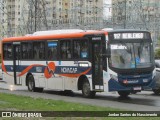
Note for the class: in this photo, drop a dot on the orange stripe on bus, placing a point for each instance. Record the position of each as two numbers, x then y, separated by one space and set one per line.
4 69
28 68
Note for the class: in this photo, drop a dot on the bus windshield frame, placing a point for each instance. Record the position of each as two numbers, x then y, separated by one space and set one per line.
131 54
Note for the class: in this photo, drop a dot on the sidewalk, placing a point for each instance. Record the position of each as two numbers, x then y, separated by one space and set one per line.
3 85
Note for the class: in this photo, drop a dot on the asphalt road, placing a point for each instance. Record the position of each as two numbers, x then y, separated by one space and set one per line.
144 101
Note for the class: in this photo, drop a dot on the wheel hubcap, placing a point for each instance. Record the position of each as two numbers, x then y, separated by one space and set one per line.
30 84
86 89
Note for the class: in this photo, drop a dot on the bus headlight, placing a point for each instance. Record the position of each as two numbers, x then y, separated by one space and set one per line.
114 77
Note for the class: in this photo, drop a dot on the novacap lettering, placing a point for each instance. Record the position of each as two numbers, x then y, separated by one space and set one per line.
68 70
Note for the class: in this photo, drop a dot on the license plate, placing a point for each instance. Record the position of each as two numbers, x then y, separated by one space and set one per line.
137 88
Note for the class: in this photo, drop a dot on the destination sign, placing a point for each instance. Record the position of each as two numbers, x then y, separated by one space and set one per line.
128 35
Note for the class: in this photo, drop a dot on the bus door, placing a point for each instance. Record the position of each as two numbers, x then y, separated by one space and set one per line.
16 63
97 68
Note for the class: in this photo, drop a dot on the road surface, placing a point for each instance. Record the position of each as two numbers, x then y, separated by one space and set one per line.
144 101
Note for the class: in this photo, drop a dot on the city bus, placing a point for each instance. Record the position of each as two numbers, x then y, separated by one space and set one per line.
72 60
131 63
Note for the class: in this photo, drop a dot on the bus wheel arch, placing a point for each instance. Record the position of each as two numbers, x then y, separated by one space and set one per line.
30 82
28 74
84 85
80 81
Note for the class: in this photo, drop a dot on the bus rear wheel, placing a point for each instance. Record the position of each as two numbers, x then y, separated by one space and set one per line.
31 85
86 90
124 93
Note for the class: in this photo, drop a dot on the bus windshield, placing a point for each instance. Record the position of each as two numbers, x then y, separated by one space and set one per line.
131 55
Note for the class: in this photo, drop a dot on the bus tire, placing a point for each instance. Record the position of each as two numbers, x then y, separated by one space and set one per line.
156 91
31 85
86 90
124 93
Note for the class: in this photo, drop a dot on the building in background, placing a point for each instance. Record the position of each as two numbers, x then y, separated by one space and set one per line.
137 14
107 9
20 17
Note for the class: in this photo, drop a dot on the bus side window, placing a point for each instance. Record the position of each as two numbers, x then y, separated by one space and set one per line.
52 50
80 49
84 50
65 49
7 51
76 49
39 51
26 51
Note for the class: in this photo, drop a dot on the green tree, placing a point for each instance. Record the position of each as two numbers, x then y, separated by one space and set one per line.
157 54
157 51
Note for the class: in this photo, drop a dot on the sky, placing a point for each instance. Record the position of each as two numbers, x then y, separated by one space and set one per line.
107 1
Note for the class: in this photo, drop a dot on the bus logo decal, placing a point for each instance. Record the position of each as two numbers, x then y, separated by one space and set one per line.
68 70
49 70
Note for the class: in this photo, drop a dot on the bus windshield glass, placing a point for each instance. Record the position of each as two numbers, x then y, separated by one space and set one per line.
131 55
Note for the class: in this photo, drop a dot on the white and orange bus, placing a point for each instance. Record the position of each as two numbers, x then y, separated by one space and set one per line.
92 61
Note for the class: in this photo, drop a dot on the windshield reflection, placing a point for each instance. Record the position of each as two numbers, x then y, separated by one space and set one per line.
130 55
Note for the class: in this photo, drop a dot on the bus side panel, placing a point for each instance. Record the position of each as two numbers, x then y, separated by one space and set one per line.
56 83
35 68
8 74
70 83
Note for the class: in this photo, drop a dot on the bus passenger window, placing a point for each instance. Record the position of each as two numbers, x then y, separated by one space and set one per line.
26 50
7 50
76 51
65 48
38 49
84 50
52 50
80 49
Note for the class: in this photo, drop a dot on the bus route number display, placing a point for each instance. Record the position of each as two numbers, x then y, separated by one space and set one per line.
128 36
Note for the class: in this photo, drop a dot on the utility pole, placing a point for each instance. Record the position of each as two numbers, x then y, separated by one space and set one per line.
125 5
35 16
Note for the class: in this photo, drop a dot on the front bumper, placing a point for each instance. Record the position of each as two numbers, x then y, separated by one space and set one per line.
116 86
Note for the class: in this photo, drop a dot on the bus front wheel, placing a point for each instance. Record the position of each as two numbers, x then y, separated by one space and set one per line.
124 93
86 90
156 91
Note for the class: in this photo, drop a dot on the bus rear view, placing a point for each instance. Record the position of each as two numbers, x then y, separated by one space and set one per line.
131 61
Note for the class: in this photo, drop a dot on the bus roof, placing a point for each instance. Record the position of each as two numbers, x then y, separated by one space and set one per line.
52 36
50 32
107 29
